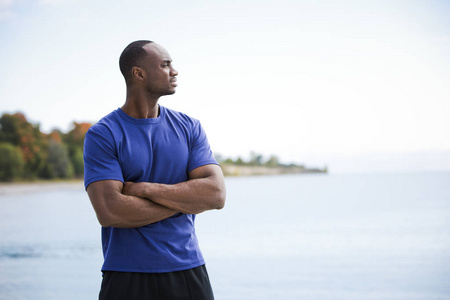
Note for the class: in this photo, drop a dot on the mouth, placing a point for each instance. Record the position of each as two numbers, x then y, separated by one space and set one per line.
173 81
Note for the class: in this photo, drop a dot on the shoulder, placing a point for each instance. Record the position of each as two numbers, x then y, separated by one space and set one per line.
181 117
107 123
106 129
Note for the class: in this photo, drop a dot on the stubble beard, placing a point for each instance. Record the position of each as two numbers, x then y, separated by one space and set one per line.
169 90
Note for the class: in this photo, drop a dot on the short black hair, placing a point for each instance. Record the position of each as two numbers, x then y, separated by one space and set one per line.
131 55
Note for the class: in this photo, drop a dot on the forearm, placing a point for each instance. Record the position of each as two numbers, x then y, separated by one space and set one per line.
191 197
205 190
132 212
115 209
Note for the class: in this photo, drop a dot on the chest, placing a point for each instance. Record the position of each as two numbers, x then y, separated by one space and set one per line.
155 154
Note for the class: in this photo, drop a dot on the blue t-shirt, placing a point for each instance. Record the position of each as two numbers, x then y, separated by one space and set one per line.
161 150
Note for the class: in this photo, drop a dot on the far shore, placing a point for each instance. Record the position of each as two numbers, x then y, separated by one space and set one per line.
236 170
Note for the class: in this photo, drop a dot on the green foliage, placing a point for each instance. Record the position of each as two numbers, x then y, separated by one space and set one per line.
255 160
78 162
54 155
15 129
11 162
273 161
9 132
228 161
58 163
74 139
257 164
240 162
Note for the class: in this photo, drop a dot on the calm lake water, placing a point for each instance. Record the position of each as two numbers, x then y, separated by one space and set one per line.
336 236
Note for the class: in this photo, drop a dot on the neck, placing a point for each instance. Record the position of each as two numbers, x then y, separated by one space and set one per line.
140 106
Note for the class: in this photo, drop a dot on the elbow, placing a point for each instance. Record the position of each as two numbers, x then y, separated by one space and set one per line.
105 221
219 192
220 205
220 198
216 200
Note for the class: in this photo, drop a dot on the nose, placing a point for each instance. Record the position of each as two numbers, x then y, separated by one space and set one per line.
173 72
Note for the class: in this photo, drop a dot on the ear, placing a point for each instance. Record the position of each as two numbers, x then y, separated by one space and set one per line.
138 73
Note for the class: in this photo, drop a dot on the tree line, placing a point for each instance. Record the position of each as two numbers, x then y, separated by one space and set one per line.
26 153
255 160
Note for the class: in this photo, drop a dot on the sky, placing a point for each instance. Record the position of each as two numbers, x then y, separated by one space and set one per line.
358 86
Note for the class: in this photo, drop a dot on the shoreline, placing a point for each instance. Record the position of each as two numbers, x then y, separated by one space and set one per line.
23 187
27 187
230 170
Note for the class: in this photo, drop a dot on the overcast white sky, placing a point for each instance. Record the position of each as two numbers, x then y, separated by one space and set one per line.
355 85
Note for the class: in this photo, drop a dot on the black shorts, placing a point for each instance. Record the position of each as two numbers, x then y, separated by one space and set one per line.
192 284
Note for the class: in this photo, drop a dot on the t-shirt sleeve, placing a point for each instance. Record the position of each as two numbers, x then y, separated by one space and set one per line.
100 157
201 153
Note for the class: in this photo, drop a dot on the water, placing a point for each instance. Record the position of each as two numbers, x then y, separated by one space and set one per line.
372 236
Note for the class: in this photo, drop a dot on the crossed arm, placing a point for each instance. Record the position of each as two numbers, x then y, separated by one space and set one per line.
132 205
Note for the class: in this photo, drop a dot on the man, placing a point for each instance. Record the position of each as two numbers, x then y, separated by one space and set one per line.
148 171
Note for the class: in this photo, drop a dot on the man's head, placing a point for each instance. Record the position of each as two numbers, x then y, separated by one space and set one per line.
131 56
148 65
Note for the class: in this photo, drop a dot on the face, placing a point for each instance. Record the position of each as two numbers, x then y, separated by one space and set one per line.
160 76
